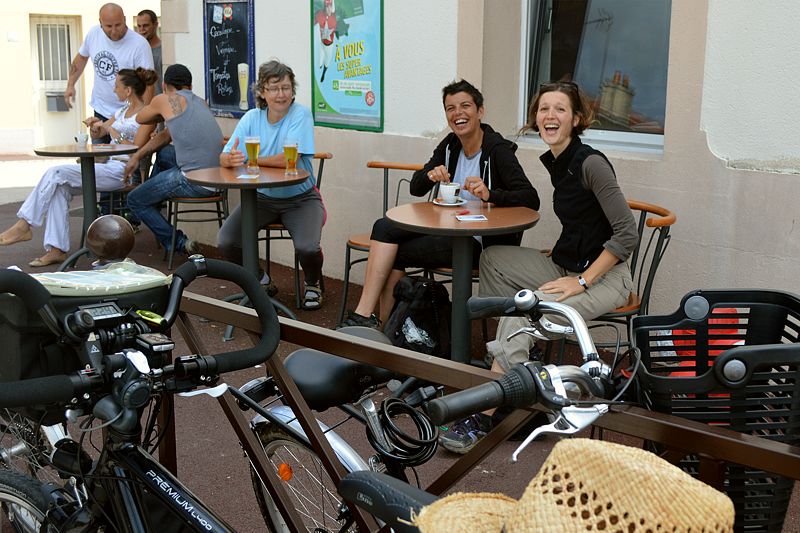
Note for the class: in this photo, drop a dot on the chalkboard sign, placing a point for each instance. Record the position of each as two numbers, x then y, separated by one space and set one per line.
230 56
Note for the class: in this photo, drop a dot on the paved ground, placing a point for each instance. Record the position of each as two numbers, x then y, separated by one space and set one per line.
210 460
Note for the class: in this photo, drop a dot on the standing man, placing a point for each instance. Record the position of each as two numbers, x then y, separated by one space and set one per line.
147 27
111 48
198 141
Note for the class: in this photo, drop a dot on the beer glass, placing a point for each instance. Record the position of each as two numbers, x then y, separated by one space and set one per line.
244 72
252 145
290 154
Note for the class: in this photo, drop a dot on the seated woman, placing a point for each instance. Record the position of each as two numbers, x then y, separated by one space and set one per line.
586 268
51 197
475 156
278 119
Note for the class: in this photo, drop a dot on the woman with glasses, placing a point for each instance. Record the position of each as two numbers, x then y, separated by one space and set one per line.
586 267
472 155
276 120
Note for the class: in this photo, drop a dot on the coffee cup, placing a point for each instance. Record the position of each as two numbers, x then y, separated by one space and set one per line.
82 138
449 192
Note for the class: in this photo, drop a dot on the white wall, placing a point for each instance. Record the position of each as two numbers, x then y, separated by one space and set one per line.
751 80
729 100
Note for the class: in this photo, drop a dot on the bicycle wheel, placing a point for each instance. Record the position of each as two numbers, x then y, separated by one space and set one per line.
25 448
22 503
309 486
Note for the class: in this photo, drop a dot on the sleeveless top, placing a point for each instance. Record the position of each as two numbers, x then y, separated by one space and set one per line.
195 134
126 127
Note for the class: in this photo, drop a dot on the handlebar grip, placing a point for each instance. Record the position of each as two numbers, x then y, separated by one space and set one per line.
37 391
516 389
30 291
492 306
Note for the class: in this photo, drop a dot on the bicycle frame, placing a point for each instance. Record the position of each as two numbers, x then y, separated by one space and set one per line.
131 478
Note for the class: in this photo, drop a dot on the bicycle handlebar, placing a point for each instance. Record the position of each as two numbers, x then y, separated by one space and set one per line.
65 387
524 385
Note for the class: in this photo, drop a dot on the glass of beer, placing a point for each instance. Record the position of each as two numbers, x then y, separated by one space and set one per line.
290 154
252 145
243 70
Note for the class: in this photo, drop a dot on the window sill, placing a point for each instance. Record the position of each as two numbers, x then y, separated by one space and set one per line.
607 141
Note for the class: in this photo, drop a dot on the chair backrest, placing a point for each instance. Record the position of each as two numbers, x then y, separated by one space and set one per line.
321 157
387 166
653 226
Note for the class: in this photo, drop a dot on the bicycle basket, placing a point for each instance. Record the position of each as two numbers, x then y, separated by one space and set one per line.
730 358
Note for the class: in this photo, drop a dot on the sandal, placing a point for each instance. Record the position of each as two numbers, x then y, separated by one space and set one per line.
312 299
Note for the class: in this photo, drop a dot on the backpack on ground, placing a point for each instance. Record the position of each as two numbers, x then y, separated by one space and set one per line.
420 318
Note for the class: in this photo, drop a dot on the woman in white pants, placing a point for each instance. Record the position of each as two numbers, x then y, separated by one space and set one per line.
50 199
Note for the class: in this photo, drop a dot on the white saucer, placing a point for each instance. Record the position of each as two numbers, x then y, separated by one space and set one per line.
439 201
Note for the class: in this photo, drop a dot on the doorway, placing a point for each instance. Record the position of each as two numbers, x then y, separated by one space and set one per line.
54 42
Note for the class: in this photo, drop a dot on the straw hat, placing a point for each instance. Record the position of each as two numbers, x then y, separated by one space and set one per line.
590 485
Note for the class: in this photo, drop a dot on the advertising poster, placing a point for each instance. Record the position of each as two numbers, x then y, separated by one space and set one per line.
347 63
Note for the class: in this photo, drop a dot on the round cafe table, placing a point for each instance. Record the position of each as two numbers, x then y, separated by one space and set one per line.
87 153
429 218
238 178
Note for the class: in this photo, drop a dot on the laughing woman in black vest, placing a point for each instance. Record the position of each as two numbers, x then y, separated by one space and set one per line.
586 268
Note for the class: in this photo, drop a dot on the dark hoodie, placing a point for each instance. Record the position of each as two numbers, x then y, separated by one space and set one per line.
501 172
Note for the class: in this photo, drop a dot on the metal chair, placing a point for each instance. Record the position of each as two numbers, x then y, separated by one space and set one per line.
278 232
199 213
359 242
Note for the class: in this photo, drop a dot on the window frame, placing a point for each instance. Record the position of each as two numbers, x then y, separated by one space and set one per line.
603 139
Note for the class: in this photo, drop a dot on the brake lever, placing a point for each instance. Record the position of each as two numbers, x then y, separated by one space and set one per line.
545 330
570 420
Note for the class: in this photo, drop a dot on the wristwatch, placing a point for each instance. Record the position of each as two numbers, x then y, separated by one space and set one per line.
583 282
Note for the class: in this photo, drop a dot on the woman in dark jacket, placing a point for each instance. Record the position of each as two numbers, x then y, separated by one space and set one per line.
473 155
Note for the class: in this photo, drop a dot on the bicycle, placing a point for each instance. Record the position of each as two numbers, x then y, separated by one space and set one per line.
336 382
574 398
124 368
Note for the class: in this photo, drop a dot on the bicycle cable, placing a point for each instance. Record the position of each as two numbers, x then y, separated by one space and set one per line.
405 449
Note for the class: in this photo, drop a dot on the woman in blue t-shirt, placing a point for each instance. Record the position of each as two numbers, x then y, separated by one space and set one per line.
277 119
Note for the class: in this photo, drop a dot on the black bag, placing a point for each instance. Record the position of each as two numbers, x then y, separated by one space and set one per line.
420 318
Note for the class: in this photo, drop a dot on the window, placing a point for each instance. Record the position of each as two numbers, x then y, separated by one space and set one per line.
54 52
617 51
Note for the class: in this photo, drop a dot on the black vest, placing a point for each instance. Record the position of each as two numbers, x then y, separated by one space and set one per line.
585 227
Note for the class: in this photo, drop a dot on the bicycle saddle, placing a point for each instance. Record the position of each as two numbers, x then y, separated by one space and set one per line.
327 380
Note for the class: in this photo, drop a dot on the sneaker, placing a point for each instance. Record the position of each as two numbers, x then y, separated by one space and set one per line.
191 247
465 434
351 318
312 299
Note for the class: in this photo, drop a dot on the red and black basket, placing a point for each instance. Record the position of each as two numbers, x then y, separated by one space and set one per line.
730 358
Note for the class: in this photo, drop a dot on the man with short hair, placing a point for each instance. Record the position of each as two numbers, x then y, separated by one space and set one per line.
147 27
198 141
111 48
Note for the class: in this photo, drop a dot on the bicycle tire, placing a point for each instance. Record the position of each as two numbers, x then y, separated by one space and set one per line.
312 490
25 448
22 503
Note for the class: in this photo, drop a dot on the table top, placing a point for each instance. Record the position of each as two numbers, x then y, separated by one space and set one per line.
228 178
86 150
427 217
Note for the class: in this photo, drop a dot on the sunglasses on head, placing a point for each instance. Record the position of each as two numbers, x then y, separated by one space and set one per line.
555 85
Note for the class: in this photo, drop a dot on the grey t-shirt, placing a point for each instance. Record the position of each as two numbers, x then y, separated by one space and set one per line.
157 66
195 134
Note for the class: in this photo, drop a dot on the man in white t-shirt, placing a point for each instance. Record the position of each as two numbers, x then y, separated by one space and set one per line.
111 48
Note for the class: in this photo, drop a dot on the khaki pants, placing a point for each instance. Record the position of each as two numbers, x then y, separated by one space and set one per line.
504 270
